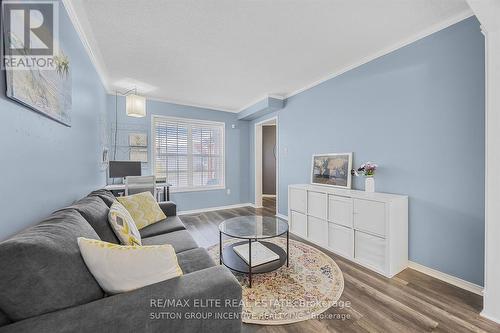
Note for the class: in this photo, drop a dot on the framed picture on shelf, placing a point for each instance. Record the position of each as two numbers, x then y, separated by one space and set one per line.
332 169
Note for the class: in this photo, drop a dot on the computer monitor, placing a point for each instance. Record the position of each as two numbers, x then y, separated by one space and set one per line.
121 169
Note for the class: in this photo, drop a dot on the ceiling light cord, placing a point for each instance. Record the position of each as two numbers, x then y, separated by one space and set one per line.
116 124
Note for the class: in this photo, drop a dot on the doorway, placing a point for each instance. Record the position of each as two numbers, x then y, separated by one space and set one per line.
266 164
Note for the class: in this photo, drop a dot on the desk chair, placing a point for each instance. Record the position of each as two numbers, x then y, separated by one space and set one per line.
138 184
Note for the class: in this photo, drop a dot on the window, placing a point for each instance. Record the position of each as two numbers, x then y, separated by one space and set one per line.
188 153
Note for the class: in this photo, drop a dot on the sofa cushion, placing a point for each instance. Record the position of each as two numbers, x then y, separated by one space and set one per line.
194 260
42 269
4 320
168 207
181 240
95 211
171 223
105 195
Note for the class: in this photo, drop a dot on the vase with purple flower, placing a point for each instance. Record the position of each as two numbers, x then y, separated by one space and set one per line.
368 170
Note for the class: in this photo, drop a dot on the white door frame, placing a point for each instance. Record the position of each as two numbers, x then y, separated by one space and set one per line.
258 160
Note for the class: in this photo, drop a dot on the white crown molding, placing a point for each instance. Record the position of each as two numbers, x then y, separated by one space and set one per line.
171 101
457 282
211 209
83 38
427 32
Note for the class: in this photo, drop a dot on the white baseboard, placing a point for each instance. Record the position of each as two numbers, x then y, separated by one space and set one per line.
211 209
281 216
457 282
487 316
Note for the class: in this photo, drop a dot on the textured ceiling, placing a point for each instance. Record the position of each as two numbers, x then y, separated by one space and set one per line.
226 54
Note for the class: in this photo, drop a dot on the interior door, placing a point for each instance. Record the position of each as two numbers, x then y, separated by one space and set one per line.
269 160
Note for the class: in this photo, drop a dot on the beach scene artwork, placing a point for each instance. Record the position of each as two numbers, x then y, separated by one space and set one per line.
47 91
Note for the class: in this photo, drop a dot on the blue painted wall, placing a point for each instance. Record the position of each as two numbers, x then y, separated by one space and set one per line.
45 165
419 113
236 149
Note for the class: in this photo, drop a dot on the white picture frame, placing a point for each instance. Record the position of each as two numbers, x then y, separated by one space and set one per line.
332 169
138 154
138 140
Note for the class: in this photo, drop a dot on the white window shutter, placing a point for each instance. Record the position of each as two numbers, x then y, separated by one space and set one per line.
188 153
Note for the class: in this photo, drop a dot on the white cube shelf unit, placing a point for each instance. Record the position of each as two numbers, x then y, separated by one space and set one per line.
370 229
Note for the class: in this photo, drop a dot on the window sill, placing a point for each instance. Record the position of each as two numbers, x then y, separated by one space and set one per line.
196 189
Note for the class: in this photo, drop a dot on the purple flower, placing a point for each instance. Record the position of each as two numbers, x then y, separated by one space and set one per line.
368 168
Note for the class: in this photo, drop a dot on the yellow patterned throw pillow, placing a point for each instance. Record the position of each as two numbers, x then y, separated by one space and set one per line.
143 208
123 225
121 268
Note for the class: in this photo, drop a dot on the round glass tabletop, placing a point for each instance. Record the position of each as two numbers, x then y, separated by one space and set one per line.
253 227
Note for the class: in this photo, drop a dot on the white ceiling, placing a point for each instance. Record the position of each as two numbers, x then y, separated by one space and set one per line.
227 54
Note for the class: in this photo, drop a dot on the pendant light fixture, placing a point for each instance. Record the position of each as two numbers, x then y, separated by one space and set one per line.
135 105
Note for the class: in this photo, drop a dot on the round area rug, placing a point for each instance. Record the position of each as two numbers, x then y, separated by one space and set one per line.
312 284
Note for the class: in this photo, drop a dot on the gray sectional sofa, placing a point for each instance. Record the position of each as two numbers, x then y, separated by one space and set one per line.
46 287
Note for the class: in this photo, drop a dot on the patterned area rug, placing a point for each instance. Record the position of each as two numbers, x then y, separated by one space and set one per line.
311 284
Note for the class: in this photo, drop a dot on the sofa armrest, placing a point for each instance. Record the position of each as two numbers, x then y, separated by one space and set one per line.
208 300
168 207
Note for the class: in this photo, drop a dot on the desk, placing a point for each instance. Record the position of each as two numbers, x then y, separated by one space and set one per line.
159 187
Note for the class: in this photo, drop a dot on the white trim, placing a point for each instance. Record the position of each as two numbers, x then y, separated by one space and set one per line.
429 31
457 282
73 17
200 106
258 164
282 216
198 189
211 209
487 12
258 160
489 317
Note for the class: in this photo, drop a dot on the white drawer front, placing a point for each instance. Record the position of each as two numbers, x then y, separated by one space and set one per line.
370 250
316 204
341 239
369 216
298 200
298 224
340 210
317 230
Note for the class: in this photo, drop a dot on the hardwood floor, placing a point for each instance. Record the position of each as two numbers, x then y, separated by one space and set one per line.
409 302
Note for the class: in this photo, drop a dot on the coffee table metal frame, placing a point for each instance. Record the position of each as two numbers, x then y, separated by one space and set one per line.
237 264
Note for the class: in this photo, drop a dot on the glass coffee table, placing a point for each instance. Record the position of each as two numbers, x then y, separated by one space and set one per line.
252 229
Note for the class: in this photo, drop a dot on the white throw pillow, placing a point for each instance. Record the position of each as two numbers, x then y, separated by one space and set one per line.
123 225
122 268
